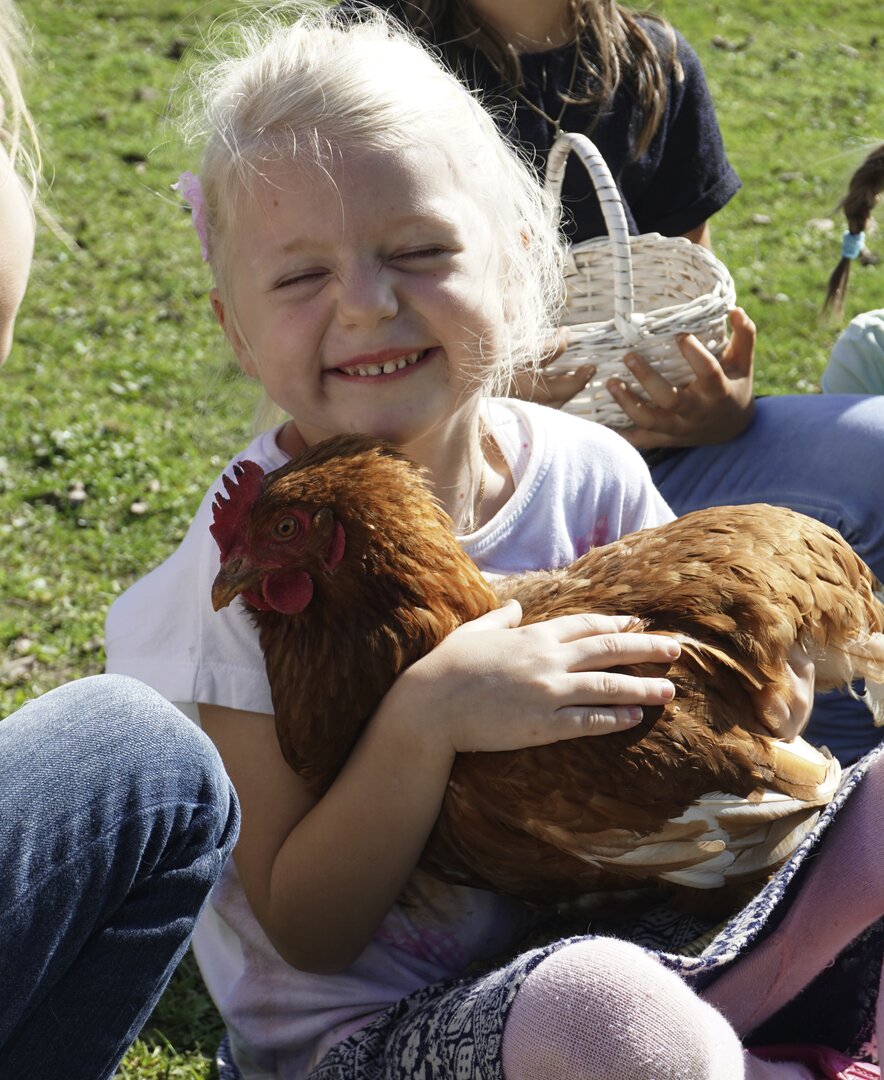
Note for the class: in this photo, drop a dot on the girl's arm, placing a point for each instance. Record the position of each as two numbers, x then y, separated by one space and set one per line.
700 235
320 876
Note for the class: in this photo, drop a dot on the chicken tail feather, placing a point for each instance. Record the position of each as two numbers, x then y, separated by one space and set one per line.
862 658
874 700
867 660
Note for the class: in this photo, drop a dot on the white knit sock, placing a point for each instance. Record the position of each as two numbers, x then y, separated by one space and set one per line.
602 1009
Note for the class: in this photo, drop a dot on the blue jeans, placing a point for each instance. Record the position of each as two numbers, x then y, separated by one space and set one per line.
821 454
116 817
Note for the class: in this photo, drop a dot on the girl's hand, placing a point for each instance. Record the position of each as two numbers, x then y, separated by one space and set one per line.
496 685
788 719
552 388
714 407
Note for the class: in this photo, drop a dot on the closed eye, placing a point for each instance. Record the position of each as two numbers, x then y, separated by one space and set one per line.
305 277
423 253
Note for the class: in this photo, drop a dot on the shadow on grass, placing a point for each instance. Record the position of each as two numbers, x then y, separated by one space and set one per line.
179 1039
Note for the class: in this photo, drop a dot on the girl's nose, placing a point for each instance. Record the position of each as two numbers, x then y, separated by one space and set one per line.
366 297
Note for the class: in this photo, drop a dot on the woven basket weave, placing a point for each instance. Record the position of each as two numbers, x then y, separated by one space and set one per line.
632 294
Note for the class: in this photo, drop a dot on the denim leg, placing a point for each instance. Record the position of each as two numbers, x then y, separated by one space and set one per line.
116 817
821 454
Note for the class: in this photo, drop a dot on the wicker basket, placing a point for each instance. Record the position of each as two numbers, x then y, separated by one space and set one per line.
632 294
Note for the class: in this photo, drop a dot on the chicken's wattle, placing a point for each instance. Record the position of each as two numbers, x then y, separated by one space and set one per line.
287 592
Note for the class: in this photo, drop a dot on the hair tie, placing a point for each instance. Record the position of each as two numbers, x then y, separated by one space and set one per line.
189 187
852 245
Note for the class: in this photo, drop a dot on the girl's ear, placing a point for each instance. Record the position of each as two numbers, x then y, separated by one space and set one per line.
243 356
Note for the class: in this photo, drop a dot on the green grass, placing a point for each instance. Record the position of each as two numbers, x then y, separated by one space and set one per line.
800 100
137 405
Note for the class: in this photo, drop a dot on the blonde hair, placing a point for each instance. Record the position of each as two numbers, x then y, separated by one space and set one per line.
17 133
300 89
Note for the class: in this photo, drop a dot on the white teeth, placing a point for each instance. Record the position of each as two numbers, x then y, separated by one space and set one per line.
387 368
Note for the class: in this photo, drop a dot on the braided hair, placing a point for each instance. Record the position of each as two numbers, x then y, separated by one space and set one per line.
862 195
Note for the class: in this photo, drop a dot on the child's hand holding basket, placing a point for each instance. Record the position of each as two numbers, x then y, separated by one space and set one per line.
633 294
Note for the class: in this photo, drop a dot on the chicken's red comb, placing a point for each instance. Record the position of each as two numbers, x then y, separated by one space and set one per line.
229 514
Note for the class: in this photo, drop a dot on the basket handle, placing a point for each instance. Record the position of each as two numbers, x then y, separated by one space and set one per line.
627 321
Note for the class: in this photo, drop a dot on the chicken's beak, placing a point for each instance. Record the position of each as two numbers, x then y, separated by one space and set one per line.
231 580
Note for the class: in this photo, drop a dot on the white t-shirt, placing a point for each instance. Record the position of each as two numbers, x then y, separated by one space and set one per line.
856 365
577 485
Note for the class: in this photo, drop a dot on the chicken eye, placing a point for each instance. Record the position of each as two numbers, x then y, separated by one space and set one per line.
286 528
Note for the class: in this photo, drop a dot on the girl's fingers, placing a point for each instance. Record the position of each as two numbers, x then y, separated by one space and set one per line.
616 706
571 627
577 722
644 414
608 650
614 688
614 703
742 326
507 616
739 354
625 398
703 363
553 388
789 717
658 388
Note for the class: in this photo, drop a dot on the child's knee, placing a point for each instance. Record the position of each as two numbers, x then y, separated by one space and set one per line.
603 1009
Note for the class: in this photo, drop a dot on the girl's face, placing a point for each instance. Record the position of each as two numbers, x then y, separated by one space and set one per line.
16 247
365 297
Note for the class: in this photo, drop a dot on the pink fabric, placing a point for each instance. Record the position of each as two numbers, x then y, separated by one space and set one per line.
842 894
189 187
827 1064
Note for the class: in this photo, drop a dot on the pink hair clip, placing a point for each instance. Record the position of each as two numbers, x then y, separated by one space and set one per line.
189 187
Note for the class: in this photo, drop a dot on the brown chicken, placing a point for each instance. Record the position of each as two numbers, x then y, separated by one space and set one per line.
351 572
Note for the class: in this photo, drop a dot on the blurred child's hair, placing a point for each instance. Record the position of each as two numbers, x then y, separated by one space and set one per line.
17 134
623 52
301 89
862 194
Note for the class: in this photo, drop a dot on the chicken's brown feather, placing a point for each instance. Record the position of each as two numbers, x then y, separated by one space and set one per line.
701 794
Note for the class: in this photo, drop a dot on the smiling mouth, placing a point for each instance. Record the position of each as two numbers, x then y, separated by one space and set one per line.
387 368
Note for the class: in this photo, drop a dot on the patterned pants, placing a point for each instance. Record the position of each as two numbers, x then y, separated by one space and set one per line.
454 1031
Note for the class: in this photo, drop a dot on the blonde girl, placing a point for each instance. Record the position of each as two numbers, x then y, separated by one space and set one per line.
381 258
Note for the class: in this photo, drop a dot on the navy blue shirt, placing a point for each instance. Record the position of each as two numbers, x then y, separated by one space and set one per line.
683 177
